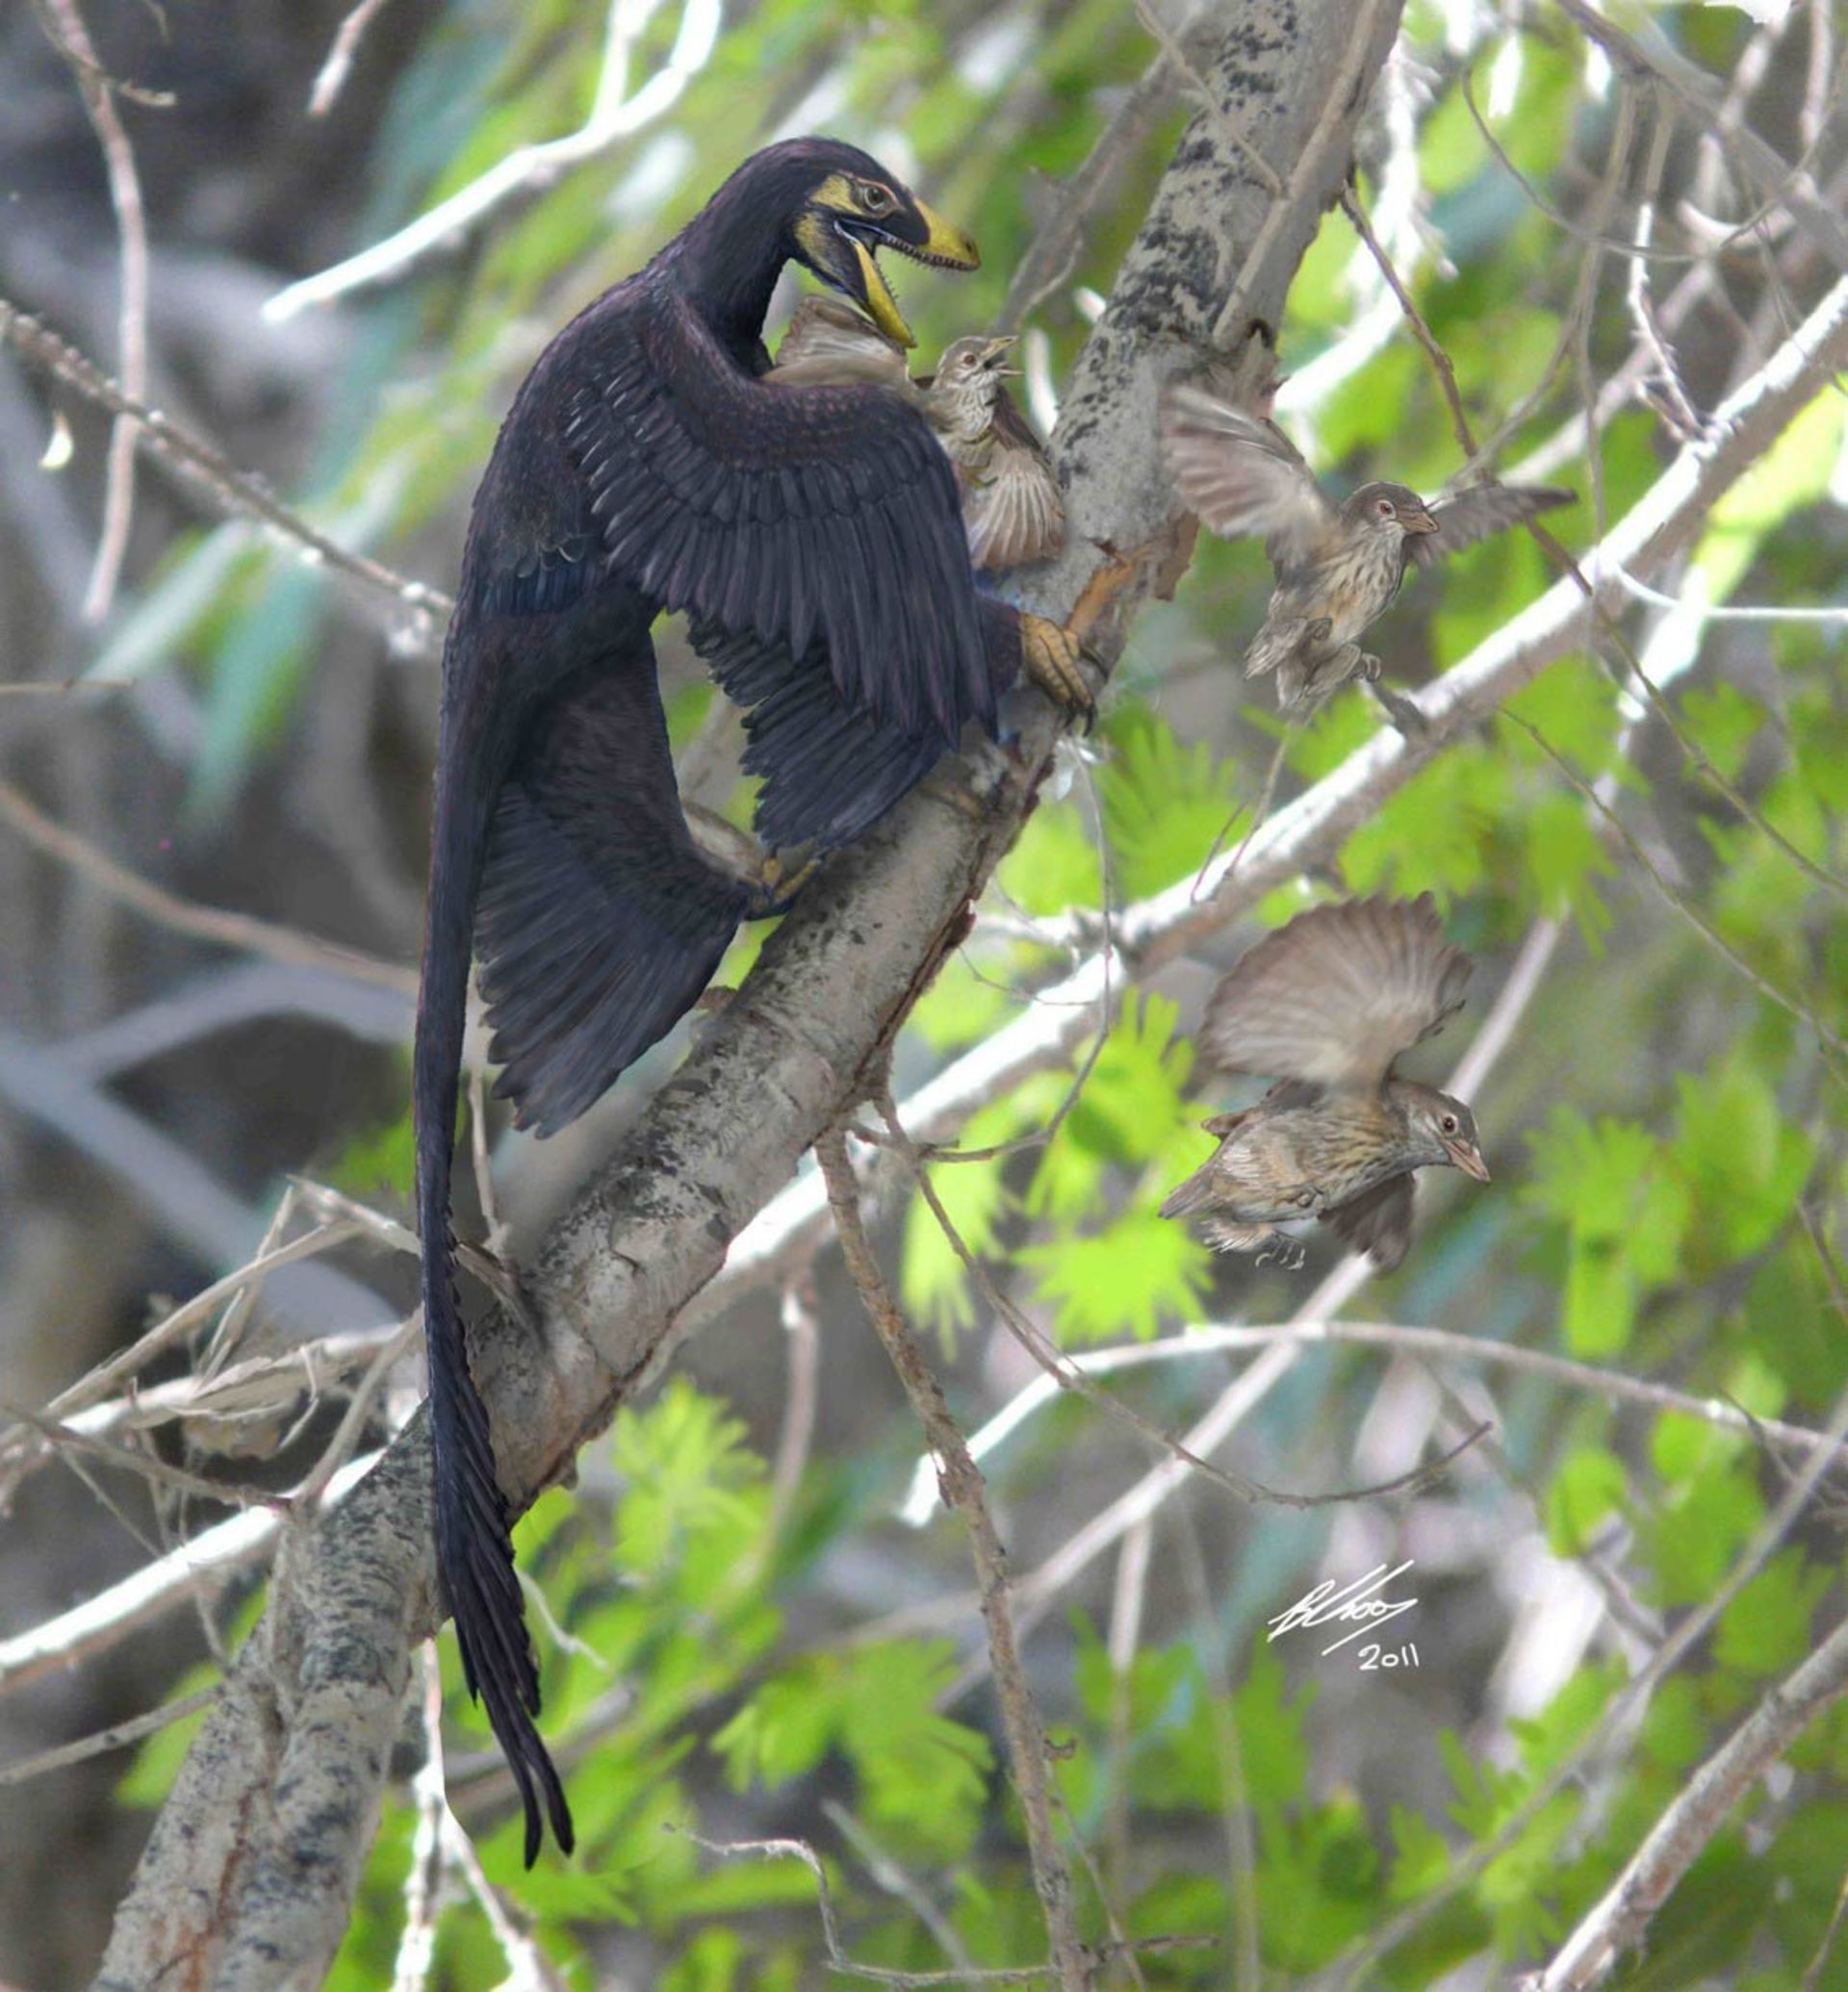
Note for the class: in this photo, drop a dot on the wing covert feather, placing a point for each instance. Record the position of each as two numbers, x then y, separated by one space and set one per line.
821 518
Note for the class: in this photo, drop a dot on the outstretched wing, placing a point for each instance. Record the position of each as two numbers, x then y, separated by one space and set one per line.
821 518
1014 510
1465 517
1239 472
599 921
829 771
1333 998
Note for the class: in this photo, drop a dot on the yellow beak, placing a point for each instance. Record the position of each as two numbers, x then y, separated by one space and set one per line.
880 300
946 244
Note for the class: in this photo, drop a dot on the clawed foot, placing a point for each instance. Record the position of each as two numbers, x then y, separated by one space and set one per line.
1056 661
1291 1254
773 886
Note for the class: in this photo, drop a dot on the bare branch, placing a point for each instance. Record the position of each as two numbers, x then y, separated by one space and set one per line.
960 1482
229 490
614 115
131 228
241 931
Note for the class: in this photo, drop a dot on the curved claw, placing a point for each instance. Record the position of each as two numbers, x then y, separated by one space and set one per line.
1292 1254
1055 660
774 888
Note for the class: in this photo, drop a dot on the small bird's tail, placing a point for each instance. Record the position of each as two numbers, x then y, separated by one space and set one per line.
1196 1193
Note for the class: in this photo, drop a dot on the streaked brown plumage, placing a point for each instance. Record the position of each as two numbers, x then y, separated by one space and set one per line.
1011 504
1338 567
1326 1006
1012 507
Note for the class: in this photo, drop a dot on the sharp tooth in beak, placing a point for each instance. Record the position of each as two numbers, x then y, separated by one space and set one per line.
880 303
943 243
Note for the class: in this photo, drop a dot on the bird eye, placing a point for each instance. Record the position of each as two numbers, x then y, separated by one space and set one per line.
876 199
1448 1123
1384 507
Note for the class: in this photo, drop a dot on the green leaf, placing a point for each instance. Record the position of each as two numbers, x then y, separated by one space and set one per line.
932 1283
1590 1484
1766 1630
1125 1279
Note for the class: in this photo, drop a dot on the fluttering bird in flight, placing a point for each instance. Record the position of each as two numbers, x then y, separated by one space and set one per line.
1338 566
814 536
1326 1006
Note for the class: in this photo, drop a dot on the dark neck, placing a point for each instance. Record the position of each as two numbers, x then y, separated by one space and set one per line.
726 264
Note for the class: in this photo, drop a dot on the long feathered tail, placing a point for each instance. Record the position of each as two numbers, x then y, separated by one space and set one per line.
473 1548
598 923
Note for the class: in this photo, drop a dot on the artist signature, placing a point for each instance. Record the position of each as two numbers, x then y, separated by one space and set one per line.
1356 1604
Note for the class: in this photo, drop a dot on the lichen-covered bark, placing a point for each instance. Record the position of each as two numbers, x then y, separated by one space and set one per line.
248 1877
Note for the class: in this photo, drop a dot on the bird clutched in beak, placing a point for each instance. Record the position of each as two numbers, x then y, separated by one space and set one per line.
1338 567
1326 1006
1012 507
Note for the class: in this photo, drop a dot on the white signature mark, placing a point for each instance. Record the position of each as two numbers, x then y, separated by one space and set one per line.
1352 1604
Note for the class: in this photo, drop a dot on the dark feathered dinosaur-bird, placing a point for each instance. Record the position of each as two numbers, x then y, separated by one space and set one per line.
814 538
1326 1006
1338 567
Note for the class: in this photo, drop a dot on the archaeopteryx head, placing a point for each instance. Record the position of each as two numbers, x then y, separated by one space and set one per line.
838 208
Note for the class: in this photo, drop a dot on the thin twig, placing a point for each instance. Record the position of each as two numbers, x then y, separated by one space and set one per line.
1398 1338
416 1955
614 115
1791 1005
1052 255
962 1490
131 230
118 1736
230 490
241 931
330 79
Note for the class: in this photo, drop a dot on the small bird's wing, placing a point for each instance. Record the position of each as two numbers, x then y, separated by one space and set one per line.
1240 474
1333 998
1378 1222
1016 512
1465 517
830 344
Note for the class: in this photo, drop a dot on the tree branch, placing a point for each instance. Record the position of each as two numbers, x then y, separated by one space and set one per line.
960 1483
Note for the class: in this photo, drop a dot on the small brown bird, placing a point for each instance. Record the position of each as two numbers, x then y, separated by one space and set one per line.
1338 567
1011 506
1325 1005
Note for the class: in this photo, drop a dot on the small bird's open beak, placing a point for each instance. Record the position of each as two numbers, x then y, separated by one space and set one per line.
1417 522
1468 1158
994 352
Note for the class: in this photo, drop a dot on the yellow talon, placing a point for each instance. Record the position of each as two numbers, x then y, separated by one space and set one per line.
1054 660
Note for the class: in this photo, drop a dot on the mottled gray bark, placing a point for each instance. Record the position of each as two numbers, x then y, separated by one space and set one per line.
248 1877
